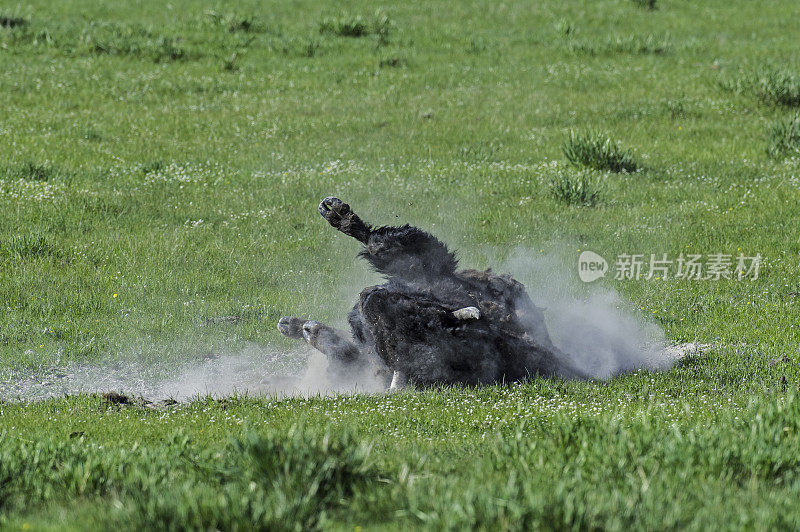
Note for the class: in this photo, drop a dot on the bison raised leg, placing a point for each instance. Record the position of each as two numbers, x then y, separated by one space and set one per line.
404 252
333 343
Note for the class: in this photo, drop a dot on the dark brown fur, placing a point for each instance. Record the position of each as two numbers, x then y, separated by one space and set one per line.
409 325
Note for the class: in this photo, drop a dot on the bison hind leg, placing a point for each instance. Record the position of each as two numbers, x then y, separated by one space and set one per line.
334 343
291 327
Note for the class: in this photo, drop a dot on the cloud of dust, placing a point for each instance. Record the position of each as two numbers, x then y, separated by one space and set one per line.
253 370
594 326
601 332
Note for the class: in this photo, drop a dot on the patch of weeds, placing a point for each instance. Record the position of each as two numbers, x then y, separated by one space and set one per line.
777 86
650 5
132 40
236 23
9 21
771 85
344 27
624 44
268 482
379 26
579 189
596 150
783 137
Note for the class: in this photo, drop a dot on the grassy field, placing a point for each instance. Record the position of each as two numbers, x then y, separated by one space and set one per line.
160 165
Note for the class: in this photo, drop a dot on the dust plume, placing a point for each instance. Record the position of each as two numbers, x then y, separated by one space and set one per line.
253 370
601 332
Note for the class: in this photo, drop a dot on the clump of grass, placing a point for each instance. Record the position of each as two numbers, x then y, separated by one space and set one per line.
778 86
623 44
595 150
10 21
783 137
579 189
771 85
237 23
650 5
132 40
357 26
344 27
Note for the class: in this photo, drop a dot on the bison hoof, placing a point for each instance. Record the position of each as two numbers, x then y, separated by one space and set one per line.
291 327
334 211
310 330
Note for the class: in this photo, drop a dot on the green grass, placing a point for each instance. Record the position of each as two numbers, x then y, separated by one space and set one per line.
771 85
576 189
783 136
161 165
646 4
597 151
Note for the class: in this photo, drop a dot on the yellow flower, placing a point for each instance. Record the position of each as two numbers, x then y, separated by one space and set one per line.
115 295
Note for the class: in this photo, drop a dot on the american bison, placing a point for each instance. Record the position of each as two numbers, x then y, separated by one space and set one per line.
431 323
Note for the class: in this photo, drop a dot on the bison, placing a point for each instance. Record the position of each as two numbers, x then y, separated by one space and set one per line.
431 323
